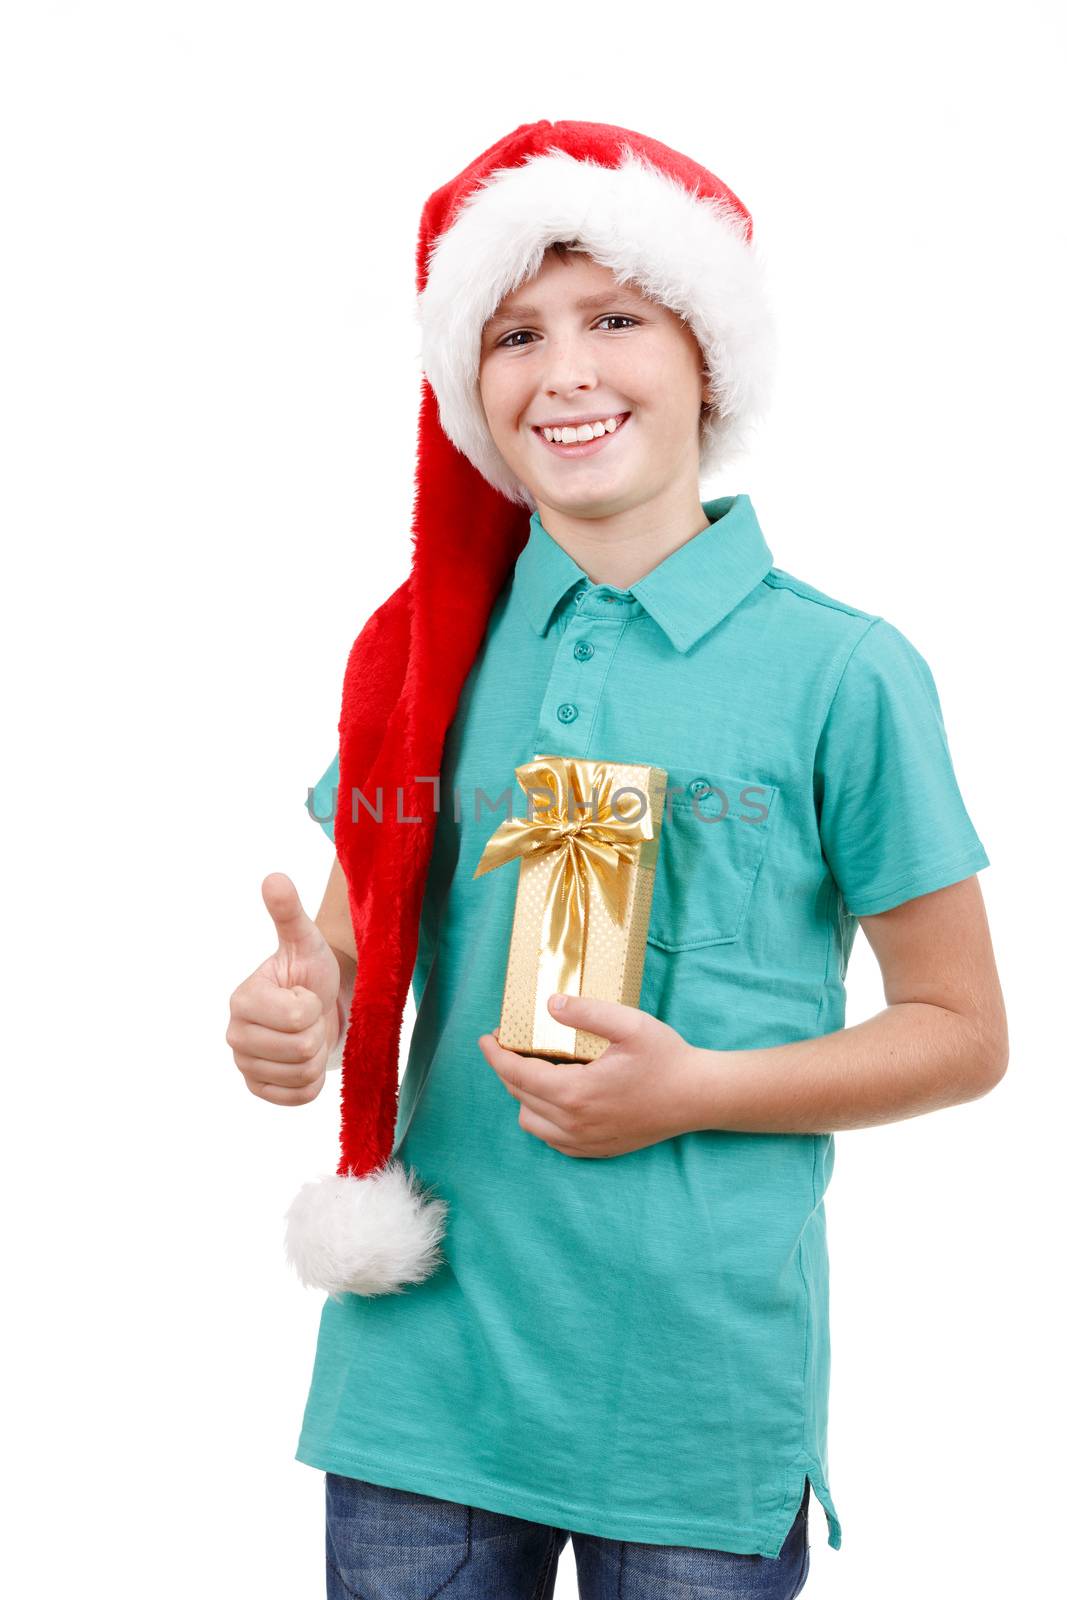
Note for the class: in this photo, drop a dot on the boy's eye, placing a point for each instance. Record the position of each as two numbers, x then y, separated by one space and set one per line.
611 316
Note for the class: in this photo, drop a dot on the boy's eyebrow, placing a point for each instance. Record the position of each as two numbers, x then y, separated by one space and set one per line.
588 302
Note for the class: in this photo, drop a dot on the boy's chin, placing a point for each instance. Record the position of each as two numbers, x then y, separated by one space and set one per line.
592 496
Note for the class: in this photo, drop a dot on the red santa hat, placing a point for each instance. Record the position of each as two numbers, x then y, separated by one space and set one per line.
655 219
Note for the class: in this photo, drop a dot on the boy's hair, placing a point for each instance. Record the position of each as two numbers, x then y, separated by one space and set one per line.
563 249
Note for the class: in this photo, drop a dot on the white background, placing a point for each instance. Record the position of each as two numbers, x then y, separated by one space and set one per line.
209 399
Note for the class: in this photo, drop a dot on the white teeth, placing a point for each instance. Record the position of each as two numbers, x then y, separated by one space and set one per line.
581 434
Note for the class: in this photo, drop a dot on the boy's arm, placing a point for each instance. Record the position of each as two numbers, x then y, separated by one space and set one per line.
334 922
943 1038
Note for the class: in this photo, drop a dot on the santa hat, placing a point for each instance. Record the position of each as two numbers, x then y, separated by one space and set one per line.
669 226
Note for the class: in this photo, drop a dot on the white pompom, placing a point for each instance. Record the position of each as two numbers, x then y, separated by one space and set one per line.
366 1235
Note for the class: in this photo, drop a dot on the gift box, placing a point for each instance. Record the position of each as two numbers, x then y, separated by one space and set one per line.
587 844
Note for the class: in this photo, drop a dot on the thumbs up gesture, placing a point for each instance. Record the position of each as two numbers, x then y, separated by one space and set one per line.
284 1017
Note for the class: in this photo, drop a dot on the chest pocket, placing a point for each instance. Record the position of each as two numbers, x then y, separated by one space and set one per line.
707 869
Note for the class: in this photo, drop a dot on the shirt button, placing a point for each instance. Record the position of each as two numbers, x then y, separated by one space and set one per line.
580 594
699 786
567 711
583 650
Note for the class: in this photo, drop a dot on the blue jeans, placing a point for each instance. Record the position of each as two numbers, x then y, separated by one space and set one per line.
393 1544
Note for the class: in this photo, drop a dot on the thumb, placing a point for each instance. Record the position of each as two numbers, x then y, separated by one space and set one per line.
608 1018
293 925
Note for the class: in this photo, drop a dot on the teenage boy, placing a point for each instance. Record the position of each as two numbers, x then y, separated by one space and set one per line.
612 1322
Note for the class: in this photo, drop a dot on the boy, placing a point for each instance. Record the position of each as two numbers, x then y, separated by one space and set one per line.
612 1325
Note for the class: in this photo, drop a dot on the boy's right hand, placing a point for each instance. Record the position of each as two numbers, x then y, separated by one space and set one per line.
284 1018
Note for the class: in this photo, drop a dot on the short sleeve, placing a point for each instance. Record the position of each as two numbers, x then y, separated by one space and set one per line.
891 817
322 799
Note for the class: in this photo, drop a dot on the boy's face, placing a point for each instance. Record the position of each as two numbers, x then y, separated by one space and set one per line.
549 356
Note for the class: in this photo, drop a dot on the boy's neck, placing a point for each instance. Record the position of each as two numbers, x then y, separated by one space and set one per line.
621 548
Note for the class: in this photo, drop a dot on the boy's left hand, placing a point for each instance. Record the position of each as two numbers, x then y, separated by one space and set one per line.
641 1090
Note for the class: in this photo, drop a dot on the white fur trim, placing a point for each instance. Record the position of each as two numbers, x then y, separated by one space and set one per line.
364 1235
687 252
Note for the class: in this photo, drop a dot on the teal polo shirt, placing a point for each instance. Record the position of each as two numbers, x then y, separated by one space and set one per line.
638 1347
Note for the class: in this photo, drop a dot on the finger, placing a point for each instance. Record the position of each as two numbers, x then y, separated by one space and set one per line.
259 1072
607 1018
288 1097
261 999
545 1129
526 1097
291 921
529 1075
268 1044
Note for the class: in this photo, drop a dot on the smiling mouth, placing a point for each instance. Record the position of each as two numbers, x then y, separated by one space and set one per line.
586 447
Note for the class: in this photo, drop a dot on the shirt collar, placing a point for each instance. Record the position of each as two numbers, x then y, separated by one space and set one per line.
690 591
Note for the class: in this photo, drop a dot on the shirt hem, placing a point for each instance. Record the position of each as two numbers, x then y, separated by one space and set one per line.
533 1507
960 867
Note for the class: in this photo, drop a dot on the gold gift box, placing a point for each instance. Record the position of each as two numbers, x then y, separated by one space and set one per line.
584 894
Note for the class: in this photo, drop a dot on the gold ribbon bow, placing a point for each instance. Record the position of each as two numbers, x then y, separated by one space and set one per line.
587 848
